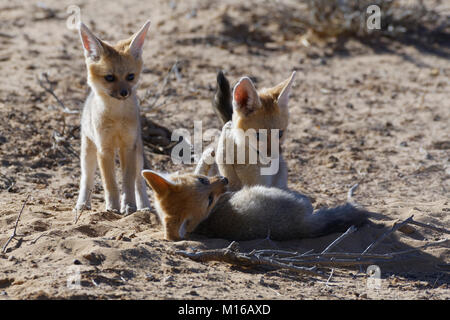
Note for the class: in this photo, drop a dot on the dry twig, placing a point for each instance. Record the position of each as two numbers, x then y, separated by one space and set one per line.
338 240
153 105
233 256
384 235
77 216
299 262
48 87
14 234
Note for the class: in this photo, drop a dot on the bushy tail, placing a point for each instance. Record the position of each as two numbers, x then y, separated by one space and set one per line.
339 219
222 103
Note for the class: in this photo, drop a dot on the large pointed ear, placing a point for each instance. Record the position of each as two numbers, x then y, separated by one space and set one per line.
138 40
157 182
245 97
283 98
92 45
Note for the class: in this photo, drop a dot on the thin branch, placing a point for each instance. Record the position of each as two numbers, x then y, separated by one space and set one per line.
47 86
338 240
43 234
77 216
233 256
308 262
173 69
329 278
384 235
15 225
431 244
429 226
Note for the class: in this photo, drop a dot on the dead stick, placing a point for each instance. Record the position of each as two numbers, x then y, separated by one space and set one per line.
50 90
334 255
77 217
384 235
432 244
429 226
232 256
339 239
15 225
329 278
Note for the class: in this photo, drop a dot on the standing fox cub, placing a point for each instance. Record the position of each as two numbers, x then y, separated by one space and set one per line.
111 121
195 203
249 114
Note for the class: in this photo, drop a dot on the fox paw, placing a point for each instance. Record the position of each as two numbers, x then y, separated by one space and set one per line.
128 209
82 206
144 209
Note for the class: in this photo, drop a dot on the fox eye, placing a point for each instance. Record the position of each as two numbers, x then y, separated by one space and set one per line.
110 78
203 180
210 199
130 77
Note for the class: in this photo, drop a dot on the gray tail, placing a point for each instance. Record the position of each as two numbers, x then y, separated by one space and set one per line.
222 100
339 219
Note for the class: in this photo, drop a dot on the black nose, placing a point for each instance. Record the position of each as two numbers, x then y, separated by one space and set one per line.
124 93
224 180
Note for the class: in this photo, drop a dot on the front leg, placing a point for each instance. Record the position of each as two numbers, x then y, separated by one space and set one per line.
105 159
128 162
207 164
142 201
88 167
280 180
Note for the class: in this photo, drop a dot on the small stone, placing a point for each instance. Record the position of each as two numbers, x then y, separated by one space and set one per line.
193 293
434 72
407 229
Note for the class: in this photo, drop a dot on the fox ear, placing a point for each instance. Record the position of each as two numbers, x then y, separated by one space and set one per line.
92 45
283 97
157 182
138 40
245 97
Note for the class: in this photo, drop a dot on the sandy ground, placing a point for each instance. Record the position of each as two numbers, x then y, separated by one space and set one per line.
375 114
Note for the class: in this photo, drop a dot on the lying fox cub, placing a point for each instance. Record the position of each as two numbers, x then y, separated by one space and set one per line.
195 203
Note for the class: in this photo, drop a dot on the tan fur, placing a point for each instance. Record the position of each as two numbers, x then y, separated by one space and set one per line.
183 199
111 122
265 113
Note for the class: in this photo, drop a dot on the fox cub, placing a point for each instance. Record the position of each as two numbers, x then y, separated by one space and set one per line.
242 111
110 121
196 203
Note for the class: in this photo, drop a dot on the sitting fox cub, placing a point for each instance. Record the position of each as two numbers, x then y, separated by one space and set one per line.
111 121
244 111
196 203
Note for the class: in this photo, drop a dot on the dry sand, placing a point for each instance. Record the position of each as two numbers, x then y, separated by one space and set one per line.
377 114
